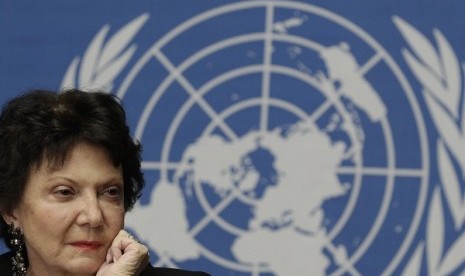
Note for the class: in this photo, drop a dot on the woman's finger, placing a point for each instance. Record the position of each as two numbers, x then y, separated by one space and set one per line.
126 256
120 244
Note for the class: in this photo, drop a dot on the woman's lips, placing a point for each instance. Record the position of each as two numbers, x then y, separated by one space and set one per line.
87 245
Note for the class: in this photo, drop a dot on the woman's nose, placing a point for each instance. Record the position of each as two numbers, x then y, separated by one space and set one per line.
91 212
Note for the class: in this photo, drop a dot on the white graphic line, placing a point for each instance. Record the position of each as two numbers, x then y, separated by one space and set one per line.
382 171
346 264
370 64
156 165
195 95
213 213
267 54
322 108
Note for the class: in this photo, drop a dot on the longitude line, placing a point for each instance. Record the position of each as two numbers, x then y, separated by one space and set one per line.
215 211
267 52
192 92
370 64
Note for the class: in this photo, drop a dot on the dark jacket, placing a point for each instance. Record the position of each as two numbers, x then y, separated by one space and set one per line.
5 269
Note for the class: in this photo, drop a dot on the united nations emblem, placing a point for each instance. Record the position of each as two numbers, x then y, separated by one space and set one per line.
273 145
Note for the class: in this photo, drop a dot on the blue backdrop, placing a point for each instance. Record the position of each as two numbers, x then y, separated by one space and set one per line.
280 137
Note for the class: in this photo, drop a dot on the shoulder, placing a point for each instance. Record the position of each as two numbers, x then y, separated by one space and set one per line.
5 263
163 271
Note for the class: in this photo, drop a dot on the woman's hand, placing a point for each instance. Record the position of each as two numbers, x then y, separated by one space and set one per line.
125 257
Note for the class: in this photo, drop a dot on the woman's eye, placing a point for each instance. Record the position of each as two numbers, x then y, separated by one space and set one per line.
113 192
64 192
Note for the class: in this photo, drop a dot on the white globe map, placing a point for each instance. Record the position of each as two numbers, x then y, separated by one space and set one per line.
286 199
259 169
258 141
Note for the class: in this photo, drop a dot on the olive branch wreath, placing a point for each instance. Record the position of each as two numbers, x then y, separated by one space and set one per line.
104 60
439 73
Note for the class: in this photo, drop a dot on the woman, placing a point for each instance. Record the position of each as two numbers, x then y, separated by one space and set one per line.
69 171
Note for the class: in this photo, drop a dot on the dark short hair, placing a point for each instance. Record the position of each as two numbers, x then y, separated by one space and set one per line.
43 126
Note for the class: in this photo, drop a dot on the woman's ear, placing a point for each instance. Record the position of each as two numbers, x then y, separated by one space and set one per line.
9 217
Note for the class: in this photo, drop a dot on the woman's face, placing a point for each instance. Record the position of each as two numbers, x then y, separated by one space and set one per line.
70 216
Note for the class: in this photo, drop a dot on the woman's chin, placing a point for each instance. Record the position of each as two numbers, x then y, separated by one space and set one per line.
85 264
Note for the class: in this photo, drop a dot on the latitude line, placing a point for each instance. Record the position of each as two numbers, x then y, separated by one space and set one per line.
206 107
210 215
373 171
157 165
267 52
381 171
